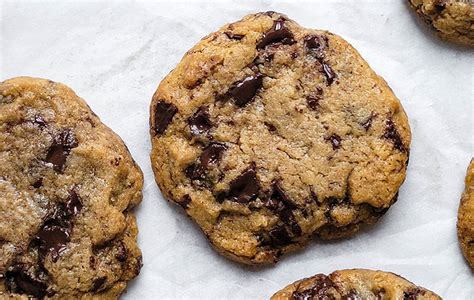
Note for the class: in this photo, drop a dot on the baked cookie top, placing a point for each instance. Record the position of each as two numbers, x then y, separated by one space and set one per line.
466 217
67 184
354 284
452 20
268 133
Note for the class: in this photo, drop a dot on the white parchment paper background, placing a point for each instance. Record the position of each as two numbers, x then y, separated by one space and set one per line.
114 54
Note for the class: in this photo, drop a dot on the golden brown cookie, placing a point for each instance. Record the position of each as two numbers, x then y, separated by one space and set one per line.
67 187
466 217
354 284
452 20
268 133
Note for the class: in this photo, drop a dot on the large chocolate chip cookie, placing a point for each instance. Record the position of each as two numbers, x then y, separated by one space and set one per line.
268 133
67 185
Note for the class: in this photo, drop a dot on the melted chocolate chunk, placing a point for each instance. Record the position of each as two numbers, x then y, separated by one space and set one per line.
53 239
244 188
212 154
279 33
98 283
270 127
185 201
320 289
234 36
194 171
38 183
328 73
200 122
244 91
391 133
122 253
19 281
59 150
73 205
164 113
281 204
440 5
335 141
316 44
412 294
314 98
280 195
279 236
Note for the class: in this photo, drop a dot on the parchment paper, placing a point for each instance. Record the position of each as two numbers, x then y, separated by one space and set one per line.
114 54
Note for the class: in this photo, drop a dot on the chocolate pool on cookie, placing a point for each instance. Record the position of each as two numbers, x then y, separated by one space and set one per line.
269 134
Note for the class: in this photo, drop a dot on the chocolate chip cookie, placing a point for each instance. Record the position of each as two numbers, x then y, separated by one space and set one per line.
354 284
466 217
67 185
452 20
268 133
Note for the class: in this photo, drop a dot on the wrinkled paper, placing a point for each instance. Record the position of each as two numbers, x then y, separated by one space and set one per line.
114 54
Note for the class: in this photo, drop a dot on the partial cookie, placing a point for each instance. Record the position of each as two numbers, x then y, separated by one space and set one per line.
354 284
466 217
268 133
67 185
453 20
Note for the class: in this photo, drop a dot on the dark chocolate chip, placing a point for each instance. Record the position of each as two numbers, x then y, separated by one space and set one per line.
412 294
98 283
279 33
73 205
122 253
368 123
19 281
53 239
328 73
269 13
59 150
440 5
184 202
244 188
279 236
164 113
320 289
200 122
194 171
316 45
270 127
212 154
335 141
244 91
353 295
280 195
38 183
234 36
391 133
314 98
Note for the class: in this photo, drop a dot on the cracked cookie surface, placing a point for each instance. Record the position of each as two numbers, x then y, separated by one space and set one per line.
354 284
67 185
466 217
268 133
452 20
